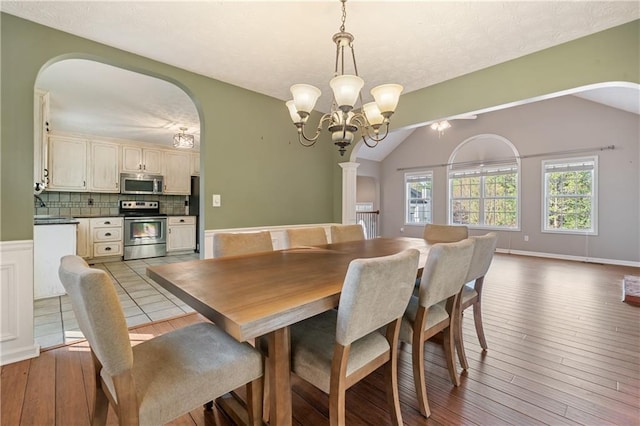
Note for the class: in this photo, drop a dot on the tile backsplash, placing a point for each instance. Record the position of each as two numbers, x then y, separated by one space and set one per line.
98 204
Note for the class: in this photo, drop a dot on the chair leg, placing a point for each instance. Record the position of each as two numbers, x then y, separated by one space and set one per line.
266 396
462 356
391 374
254 402
417 359
449 348
477 319
100 408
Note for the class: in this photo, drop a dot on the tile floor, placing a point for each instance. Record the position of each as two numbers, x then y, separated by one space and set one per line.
141 298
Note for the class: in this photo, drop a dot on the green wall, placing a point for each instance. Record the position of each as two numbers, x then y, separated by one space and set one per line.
249 149
607 56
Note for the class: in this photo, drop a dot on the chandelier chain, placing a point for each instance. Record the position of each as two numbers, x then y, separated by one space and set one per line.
344 14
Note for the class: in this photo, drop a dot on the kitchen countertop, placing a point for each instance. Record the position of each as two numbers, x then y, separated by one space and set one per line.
54 220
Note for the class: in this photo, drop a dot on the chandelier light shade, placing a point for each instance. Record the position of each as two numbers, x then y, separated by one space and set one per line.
345 119
182 140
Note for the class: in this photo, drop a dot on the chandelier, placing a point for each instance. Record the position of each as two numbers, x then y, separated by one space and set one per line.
342 121
182 140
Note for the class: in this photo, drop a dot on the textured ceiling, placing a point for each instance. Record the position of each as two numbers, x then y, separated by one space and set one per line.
416 43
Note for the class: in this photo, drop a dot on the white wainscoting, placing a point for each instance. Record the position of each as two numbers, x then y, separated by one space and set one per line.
16 302
277 234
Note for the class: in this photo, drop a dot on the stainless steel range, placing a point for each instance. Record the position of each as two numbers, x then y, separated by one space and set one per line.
145 229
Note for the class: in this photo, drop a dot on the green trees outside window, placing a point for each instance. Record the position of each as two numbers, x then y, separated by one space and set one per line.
570 195
484 197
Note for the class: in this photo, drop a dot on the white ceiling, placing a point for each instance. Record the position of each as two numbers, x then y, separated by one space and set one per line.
414 43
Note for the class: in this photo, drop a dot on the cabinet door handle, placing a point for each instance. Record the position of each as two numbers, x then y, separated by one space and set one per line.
107 249
108 234
144 167
140 166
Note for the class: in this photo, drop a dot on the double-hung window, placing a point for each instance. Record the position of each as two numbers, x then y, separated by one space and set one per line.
484 196
570 195
418 196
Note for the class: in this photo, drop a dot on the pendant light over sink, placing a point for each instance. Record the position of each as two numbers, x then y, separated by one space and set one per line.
342 121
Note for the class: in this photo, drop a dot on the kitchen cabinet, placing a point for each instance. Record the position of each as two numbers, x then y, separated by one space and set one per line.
106 236
177 173
181 234
137 159
50 244
195 164
67 164
41 135
104 167
83 246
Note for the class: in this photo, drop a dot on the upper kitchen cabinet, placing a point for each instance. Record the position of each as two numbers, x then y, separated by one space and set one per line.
195 164
67 164
40 134
104 167
177 172
141 160
76 164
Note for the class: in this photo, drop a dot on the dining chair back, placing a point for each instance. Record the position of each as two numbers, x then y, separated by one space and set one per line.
161 378
483 250
238 243
435 309
345 233
300 237
336 349
445 233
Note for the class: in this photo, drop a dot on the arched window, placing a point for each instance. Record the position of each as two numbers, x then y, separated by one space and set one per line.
484 183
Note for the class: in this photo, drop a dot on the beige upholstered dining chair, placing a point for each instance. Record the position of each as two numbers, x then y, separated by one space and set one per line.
483 250
338 348
298 237
237 243
435 310
445 233
162 378
344 233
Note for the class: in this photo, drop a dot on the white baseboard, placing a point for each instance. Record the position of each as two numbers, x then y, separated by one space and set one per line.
16 302
570 257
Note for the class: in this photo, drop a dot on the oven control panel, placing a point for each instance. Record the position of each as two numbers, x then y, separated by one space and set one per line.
138 204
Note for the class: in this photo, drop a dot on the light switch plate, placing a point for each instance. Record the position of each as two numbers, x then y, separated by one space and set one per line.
216 200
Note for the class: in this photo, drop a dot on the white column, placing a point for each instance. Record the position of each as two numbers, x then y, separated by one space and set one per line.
349 179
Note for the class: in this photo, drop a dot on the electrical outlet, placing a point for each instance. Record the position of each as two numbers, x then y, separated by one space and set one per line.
216 200
90 201
526 238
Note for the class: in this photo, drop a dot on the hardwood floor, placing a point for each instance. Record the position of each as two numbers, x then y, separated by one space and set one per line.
563 349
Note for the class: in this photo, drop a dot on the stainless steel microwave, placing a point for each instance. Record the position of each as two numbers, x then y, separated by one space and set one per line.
139 183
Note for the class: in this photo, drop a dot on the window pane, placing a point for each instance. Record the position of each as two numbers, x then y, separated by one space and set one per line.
466 212
418 198
569 195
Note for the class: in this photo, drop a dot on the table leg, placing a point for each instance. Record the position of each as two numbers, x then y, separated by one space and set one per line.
279 377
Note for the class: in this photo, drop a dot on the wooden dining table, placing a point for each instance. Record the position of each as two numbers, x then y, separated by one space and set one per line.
262 294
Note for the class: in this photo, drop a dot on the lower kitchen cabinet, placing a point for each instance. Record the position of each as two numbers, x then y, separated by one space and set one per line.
106 236
83 240
181 236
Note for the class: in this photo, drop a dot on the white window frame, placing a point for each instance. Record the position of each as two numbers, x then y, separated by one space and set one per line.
407 198
594 194
483 171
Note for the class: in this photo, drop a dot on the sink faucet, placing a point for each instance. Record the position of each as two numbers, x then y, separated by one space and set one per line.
42 204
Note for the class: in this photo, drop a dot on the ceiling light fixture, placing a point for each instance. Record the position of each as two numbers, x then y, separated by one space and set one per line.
441 126
343 122
182 140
